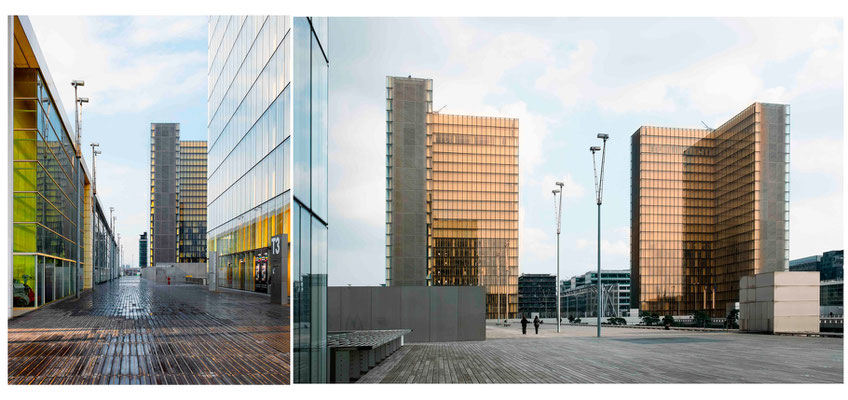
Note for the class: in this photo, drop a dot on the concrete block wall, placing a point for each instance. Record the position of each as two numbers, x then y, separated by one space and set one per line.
780 302
176 271
433 313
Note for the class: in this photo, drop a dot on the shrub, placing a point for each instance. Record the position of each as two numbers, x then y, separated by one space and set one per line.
650 319
701 319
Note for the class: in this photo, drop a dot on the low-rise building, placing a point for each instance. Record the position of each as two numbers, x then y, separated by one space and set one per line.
537 294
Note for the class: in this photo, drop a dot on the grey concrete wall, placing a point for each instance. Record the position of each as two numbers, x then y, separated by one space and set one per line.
434 313
177 272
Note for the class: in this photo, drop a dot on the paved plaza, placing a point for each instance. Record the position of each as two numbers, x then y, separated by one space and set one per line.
132 331
622 355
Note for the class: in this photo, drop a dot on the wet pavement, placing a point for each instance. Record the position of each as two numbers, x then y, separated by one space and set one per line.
132 331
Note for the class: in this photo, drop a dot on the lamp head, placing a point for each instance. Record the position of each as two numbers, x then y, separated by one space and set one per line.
560 184
95 144
83 100
603 136
595 148
77 82
555 191
97 152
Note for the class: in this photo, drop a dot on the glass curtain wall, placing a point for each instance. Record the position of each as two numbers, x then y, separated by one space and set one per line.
472 188
45 196
708 207
249 144
309 257
192 202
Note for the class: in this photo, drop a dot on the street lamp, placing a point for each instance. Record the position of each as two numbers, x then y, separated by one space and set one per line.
599 192
76 83
78 164
558 212
94 153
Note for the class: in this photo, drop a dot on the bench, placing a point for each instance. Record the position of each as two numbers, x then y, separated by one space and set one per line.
353 353
197 281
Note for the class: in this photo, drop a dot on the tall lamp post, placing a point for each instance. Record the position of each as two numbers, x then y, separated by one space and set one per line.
94 153
558 210
599 193
78 101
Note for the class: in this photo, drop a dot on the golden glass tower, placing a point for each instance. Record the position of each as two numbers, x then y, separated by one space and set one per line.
707 208
191 229
451 198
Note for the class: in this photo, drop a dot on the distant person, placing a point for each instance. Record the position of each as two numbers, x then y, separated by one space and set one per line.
524 322
536 323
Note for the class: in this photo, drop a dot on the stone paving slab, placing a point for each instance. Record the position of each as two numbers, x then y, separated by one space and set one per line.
575 355
133 331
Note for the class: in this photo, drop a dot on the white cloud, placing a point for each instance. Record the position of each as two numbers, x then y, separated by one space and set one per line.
720 84
816 156
535 245
121 75
570 84
572 189
816 225
148 30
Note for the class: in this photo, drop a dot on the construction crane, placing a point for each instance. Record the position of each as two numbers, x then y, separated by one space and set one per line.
706 126
443 107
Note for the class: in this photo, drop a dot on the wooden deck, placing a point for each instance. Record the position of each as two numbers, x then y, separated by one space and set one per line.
621 356
132 331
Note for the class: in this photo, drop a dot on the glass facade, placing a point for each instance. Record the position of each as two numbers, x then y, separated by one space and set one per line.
142 250
472 206
51 202
249 144
46 195
191 178
310 222
537 294
707 208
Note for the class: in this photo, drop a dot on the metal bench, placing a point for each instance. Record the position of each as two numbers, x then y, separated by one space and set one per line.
353 353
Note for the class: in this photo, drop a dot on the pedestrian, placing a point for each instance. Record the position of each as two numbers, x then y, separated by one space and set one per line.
536 323
524 323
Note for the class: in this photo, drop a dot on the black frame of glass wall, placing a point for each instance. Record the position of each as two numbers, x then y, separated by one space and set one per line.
310 219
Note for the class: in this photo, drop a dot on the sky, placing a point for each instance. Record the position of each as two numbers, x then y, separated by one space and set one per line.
137 70
567 79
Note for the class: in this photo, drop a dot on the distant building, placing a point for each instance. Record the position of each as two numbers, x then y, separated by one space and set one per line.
708 207
142 250
537 294
579 294
451 197
177 196
831 297
830 265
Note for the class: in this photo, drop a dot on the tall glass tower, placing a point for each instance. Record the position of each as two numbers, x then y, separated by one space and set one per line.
249 145
708 206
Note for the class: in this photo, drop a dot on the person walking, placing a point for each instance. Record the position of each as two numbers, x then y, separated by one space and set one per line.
536 323
524 322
